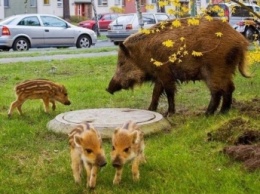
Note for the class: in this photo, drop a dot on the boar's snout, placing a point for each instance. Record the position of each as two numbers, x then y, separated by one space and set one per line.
67 103
113 86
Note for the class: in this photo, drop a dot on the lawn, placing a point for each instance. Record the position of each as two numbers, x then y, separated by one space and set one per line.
34 160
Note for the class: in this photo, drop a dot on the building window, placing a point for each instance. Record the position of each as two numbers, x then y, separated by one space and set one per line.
123 2
33 3
117 2
59 3
143 2
46 2
154 1
6 3
102 2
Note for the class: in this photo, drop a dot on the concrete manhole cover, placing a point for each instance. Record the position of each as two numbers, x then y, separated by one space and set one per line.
107 119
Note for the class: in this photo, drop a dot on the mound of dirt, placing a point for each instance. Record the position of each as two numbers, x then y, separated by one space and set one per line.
236 131
243 138
248 154
250 108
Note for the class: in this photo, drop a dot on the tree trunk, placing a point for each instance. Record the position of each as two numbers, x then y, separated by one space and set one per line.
96 17
139 14
66 10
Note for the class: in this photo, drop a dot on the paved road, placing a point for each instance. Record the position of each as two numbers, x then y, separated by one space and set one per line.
60 56
55 57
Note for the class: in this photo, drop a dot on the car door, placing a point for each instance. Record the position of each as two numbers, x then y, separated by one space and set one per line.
30 26
57 32
105 21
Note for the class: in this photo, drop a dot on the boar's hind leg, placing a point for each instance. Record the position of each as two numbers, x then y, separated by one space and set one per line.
227 98
157 92
214 102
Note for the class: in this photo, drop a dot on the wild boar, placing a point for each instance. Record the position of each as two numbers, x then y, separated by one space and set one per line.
43 89
86 150
223 50
127 145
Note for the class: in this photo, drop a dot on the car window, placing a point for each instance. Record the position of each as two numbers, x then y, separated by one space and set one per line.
106 17
239 11
53 21
161 17
114 16
8 20
29 21
148 19
124 19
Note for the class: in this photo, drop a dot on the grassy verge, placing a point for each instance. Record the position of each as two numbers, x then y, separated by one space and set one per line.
35 160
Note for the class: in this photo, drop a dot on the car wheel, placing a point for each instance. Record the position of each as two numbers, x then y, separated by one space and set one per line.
83 41
21 44
249 34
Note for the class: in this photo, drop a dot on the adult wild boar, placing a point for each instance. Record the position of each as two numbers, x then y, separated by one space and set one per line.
222 53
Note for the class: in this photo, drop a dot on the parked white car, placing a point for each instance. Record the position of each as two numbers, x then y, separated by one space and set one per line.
21 32
127 24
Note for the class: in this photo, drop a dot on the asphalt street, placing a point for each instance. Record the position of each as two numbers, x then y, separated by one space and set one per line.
61 56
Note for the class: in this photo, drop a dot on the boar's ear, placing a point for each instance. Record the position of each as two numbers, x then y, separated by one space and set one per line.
77 140
116 130
124 49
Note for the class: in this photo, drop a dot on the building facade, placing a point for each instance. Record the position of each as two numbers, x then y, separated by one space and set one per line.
84 7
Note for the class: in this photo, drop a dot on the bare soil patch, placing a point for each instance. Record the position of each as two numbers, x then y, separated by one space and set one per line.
241 134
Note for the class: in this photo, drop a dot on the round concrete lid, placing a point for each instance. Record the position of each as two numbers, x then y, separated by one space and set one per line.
107 119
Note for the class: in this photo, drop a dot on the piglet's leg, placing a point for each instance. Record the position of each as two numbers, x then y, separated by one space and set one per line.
88 168
76 165
93 177
135 169
53 104
46 102
16 104
118 176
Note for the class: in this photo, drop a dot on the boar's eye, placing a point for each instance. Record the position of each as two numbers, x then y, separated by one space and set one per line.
65 94
126 149
113 148
89 151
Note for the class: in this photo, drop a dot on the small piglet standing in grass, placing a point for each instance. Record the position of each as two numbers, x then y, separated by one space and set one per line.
128 145
86 150
43 89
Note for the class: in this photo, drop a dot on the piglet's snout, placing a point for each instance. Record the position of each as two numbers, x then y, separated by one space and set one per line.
101 161
117 163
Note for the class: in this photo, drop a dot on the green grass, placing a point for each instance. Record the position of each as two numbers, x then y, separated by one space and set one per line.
34 160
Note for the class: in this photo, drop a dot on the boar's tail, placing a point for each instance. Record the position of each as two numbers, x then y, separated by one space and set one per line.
243 67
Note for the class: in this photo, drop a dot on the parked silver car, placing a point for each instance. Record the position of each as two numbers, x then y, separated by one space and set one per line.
127 24
21 32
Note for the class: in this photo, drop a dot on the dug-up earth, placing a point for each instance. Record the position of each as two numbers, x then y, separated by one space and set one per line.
241 134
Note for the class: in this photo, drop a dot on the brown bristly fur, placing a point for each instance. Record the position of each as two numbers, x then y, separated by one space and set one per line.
221 57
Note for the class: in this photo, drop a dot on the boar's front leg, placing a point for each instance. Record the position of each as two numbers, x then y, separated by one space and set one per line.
214 102
157 92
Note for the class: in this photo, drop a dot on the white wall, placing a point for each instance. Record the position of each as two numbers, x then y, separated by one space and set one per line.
1 9
52 8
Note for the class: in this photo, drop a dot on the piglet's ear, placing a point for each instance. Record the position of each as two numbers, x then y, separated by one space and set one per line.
116 130
124 49
77 140
135 137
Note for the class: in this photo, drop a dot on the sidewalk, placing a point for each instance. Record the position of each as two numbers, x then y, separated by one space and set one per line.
55 57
